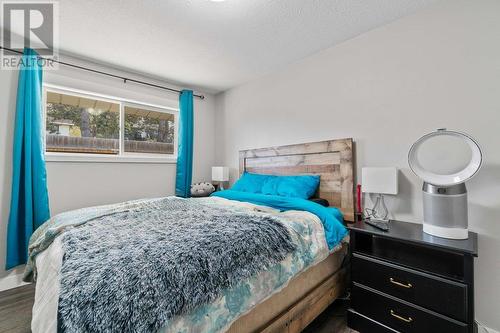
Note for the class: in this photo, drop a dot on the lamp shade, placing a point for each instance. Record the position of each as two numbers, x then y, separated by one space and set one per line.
379 180
220 174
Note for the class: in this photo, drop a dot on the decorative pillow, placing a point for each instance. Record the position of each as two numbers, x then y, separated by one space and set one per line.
201 189
303 186
251 182
297 186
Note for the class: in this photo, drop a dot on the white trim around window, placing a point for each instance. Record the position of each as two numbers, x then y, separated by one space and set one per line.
101 158
122 157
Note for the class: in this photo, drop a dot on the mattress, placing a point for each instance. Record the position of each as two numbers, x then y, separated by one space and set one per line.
242 308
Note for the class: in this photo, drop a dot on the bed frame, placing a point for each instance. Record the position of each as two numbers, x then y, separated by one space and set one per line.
333 161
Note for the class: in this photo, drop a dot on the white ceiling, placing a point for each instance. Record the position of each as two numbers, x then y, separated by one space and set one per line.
216 45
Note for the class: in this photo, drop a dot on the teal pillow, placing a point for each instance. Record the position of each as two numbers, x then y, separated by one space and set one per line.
251 182
303 186
271 186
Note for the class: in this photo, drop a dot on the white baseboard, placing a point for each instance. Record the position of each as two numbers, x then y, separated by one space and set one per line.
483 329
11 281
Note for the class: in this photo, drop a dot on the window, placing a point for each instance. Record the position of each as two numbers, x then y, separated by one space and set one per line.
148 131
81 125
85 124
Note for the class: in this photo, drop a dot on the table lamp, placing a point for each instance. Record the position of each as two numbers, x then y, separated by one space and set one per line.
220 174
379 181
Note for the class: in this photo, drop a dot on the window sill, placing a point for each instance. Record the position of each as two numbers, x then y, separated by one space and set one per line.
94 158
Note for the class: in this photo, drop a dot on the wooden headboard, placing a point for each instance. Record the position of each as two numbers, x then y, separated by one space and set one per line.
332 160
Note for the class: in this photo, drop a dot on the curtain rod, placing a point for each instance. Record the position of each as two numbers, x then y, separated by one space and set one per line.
125 79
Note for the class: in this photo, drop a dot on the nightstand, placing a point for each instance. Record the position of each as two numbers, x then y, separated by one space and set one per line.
405 280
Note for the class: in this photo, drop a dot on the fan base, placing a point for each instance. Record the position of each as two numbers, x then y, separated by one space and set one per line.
450 233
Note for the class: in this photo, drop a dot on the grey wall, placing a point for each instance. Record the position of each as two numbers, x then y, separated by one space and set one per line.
386 88
75 185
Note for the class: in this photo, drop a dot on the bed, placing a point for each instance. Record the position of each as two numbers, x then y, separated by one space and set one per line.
284 297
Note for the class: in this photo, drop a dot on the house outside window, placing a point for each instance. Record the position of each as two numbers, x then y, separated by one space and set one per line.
88 126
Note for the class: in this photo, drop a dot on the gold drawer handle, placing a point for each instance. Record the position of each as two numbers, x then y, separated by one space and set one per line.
406 320
401 284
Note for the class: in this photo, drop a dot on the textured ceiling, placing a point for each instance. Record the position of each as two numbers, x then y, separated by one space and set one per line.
216 45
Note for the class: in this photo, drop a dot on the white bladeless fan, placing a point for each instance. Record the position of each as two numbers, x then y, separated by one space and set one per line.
445 160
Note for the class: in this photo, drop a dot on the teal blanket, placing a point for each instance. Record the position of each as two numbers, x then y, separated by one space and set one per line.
330 217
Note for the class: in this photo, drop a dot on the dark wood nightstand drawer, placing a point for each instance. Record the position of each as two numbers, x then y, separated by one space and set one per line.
400 315
435 261
443 296
363 324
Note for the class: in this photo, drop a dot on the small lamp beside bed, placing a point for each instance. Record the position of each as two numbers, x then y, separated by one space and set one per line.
220 175
379 181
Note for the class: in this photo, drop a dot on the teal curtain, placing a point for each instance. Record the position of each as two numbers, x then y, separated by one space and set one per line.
185 148
29 204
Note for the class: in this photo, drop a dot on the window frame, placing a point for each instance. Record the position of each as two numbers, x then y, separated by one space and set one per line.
122 156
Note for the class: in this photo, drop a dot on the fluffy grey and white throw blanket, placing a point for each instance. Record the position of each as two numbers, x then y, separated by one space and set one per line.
132 271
